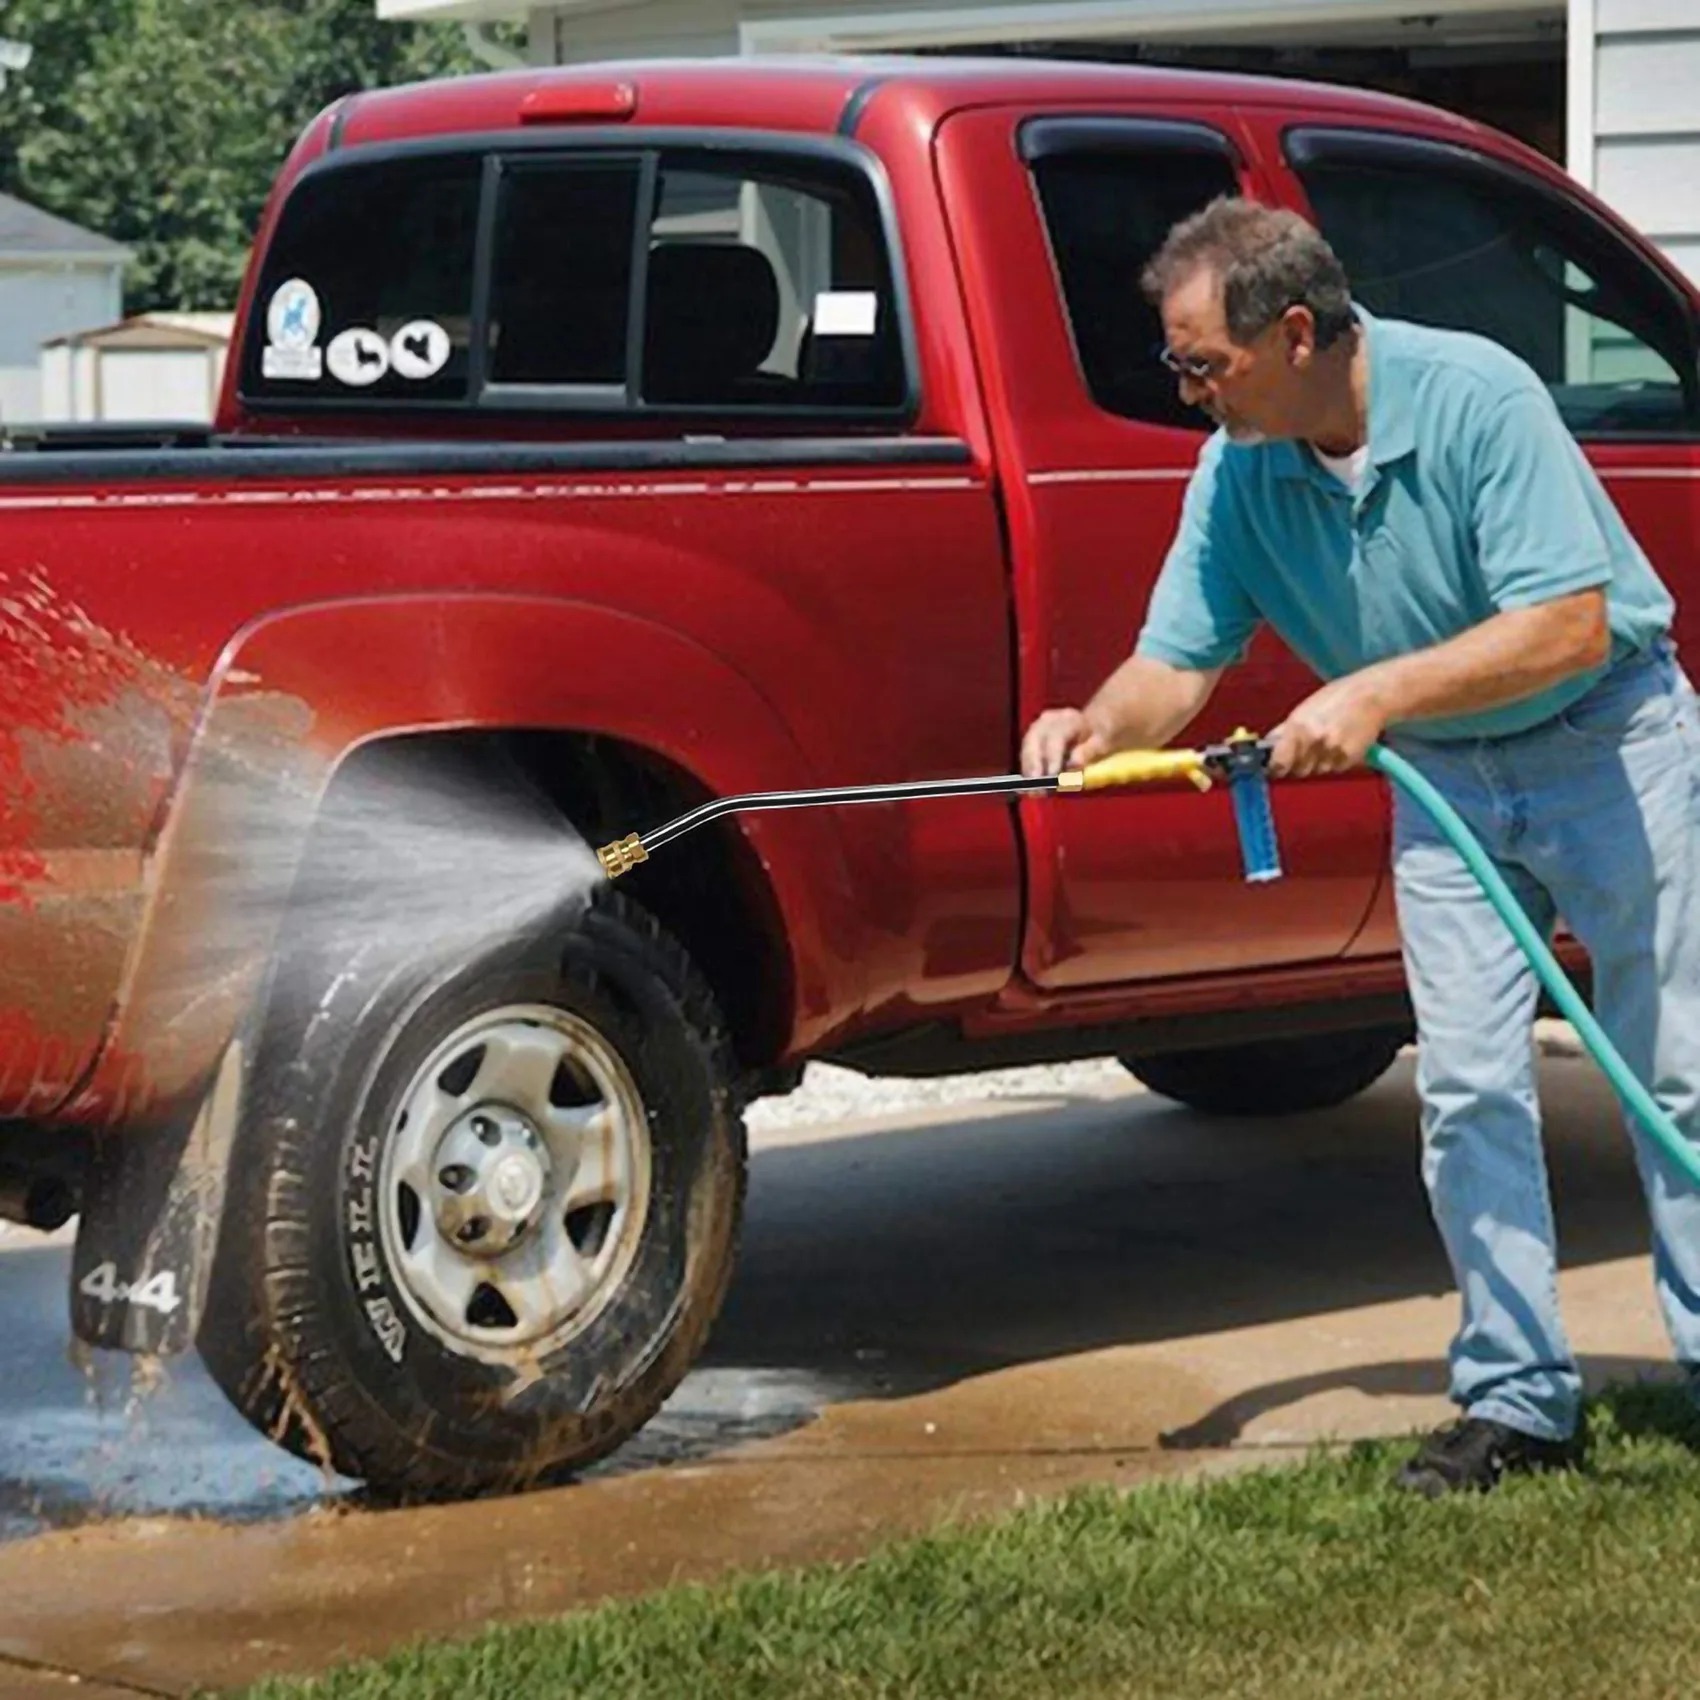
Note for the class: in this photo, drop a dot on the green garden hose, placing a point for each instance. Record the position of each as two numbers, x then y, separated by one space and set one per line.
1640 1102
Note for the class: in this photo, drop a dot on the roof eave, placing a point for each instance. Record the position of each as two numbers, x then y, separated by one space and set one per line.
26 259
451 11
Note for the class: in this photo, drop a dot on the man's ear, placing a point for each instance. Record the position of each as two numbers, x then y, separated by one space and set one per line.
1298 337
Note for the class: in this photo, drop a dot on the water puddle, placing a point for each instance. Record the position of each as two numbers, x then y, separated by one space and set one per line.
89 1437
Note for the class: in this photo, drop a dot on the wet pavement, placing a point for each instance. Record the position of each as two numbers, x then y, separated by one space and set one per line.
933 1315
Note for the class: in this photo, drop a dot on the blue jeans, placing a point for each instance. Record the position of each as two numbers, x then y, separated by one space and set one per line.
1594 817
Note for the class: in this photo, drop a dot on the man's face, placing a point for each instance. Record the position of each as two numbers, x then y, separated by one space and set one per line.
1253 390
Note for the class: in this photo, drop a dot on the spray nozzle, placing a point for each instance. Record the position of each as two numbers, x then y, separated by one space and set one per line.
622 855
1243 761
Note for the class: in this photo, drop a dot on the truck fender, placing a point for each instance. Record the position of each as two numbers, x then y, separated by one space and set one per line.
292 696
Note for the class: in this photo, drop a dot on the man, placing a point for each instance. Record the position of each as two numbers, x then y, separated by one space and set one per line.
1405 508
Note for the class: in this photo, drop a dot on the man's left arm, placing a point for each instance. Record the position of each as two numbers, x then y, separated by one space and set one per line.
1545 566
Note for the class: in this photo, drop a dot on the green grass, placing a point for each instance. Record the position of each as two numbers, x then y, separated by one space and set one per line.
1305 1582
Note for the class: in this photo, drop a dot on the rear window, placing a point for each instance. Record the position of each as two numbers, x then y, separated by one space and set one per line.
645 281
367 289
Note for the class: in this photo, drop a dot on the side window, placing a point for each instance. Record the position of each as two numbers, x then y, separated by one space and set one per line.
367 287
1477 251
1106 213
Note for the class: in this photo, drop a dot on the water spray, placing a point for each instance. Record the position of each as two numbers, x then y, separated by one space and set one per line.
1242 762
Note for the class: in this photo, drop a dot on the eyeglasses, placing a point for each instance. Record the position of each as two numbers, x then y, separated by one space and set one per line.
1200 368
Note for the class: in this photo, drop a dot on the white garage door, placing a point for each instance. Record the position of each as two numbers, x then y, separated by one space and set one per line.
173 384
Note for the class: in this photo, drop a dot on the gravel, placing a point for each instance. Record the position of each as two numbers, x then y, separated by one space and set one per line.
830 1094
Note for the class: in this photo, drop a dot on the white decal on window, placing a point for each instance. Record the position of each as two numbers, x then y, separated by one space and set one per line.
845 312
292 317
420 349
358 357
298 365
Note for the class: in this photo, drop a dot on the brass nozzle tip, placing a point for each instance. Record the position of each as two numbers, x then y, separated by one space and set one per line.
621 856
1071 779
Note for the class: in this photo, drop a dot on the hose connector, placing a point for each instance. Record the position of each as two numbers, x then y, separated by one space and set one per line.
622 855
1137 767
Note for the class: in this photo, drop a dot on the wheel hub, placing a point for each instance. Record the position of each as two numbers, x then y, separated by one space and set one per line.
489 1178
514 1190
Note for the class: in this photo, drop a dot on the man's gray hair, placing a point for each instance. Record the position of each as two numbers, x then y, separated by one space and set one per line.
1268 260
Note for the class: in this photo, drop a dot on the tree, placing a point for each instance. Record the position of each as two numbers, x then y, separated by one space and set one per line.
63 35
340 47
161 123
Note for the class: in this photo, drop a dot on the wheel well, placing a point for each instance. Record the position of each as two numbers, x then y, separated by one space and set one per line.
709 891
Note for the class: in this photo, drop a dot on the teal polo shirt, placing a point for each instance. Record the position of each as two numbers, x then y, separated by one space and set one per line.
1476 499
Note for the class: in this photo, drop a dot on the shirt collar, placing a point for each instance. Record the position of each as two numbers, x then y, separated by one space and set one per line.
1392 430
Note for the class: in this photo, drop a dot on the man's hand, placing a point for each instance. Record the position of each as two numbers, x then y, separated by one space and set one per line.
1060 737
1330 731
1142 705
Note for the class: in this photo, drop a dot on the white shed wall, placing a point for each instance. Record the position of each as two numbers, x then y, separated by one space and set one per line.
156 384
56 377
84 401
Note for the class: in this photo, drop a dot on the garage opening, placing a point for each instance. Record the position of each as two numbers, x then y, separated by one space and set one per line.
1505 69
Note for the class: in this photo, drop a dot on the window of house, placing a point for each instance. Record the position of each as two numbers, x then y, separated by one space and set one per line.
1436 239
1107 209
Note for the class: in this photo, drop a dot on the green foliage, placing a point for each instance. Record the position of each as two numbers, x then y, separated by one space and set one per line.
161 123
1311 1583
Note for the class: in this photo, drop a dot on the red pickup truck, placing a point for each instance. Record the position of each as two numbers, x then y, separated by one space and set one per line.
597 442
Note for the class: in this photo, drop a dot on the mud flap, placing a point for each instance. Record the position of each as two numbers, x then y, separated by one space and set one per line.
152 1201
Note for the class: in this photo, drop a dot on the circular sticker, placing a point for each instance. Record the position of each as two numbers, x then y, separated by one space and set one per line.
358 356
292 318
420 349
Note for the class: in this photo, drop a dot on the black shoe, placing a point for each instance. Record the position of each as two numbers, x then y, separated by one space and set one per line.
1471 1455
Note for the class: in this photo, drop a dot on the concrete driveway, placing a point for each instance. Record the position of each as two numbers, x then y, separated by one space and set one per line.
934 1314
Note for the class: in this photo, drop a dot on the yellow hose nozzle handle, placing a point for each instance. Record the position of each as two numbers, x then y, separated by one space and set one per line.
1137 767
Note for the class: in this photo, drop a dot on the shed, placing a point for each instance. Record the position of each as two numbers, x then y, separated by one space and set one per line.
56 278
154 366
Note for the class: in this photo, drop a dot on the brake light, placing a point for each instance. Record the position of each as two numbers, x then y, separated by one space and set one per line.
575 102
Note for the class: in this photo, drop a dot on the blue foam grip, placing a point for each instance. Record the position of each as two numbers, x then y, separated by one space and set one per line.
1259 849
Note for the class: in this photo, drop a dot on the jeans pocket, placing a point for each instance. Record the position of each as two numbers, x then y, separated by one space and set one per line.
1618 712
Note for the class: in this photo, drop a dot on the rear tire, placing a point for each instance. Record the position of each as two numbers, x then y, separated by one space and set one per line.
461 1346
1272 1077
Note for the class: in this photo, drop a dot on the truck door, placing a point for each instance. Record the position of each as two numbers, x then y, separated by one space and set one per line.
1453 235
1054 217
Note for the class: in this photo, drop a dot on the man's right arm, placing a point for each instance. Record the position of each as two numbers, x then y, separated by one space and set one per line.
1141 706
